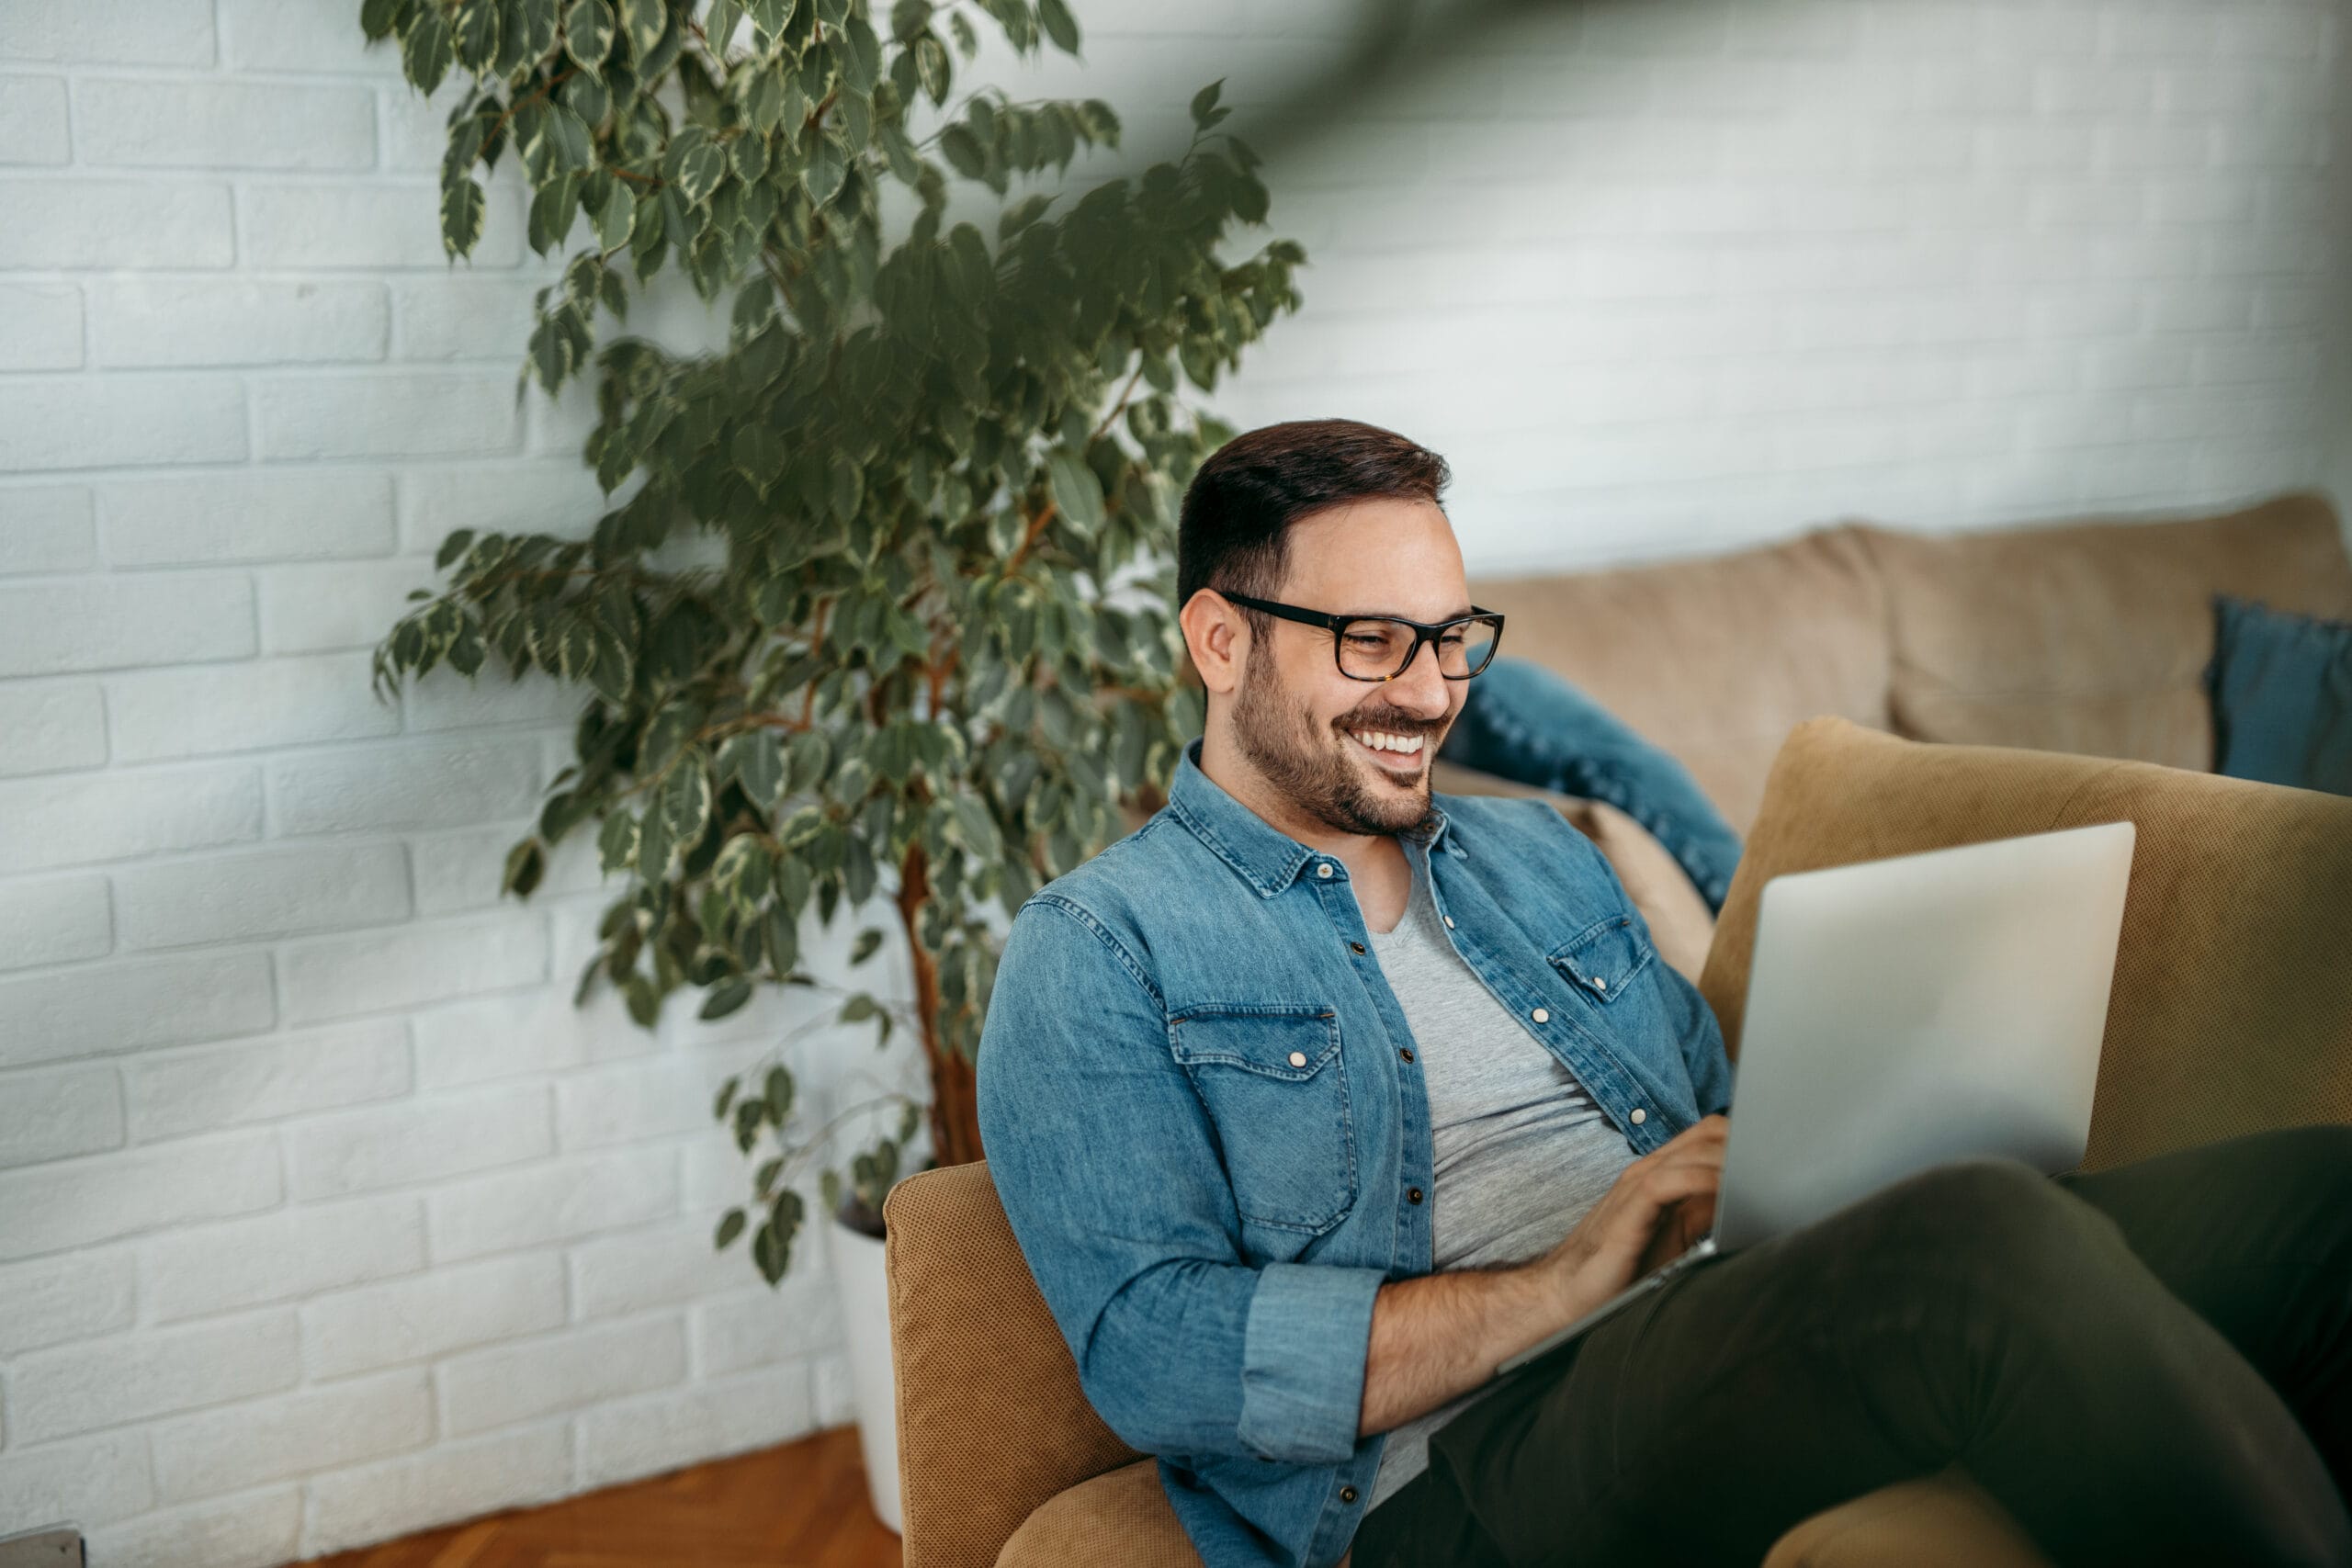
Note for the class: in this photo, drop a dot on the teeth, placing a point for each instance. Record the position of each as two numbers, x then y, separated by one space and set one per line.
1382 740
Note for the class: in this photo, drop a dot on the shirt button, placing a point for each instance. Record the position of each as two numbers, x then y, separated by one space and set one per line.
1356 946
1640 1116
1347 1494
1323 869
1298 1059
1412 1194
1406 1051
1599 983
1541 1015
1449 922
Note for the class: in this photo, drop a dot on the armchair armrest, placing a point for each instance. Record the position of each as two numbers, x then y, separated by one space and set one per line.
991 1420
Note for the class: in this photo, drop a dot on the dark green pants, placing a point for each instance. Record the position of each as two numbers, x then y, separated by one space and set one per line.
2151 1364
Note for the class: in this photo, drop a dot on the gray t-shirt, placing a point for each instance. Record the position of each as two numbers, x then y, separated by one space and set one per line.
1521 1151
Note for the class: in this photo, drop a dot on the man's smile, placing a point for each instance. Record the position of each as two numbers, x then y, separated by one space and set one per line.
1397 755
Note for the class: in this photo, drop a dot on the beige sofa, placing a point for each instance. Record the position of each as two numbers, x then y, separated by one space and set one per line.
2058 670
2088 636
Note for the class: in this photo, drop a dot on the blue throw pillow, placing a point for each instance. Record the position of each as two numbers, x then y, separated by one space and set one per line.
2281 685
1521 722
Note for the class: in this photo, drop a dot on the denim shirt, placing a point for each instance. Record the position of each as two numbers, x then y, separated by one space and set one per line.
1198 1109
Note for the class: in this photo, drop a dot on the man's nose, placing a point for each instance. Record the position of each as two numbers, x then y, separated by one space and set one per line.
1422 688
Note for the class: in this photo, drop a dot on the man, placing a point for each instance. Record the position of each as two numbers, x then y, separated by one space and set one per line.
1319 1096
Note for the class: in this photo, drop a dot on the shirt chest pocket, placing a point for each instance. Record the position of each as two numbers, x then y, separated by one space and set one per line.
1272 1080
1602 959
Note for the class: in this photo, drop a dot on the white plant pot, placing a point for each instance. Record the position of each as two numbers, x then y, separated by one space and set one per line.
856 1260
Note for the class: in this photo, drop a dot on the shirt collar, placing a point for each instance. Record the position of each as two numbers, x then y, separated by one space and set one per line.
1266 858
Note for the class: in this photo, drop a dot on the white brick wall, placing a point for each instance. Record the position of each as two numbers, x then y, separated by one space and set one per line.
323 1215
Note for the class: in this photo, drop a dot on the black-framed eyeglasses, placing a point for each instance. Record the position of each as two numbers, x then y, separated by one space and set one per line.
1380 647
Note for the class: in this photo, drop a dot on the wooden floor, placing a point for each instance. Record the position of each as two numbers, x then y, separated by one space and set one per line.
801 1505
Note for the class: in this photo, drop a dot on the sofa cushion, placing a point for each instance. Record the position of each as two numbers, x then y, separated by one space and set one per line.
2232 1005
2090 636
2282 697
1713 658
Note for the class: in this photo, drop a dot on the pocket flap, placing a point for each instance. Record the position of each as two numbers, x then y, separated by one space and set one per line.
1278 1040
1605 956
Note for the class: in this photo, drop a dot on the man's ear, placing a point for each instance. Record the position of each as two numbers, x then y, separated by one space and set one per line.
1217 639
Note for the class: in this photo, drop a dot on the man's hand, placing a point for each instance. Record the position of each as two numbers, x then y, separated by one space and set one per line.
1435 1336
1659 1205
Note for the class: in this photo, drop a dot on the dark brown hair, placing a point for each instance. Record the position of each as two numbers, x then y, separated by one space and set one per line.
1233 531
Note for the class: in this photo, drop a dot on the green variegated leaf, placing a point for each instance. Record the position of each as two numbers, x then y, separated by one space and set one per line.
827 169
616 842
643 21
569 142
720 22
1205 100
381 18
974 825
782 935
811 754
771 1252
756 760
588 29
425 48
962 147
530 32
526 865
614 226
553 212
864 66
749 156
461 210
768 16
1076 489
476 35
933 68
694 165
575 650
725 998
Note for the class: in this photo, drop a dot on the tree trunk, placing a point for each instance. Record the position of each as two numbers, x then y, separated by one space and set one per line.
955 1101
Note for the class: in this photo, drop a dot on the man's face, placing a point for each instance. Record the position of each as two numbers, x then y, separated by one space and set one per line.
1328 742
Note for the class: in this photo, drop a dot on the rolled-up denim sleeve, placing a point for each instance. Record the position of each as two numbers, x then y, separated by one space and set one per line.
1303 1360
1111 1178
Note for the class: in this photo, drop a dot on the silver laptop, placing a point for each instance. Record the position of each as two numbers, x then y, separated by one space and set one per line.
1906 1012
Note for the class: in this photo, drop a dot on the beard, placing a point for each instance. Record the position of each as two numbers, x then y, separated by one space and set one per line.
1311 766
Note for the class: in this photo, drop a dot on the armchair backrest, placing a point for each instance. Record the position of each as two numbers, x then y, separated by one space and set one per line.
2232 1007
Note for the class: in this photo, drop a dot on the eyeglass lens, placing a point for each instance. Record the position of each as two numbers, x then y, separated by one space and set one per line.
1376 649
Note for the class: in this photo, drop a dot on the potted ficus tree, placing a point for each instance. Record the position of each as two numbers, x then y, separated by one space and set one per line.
921 461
